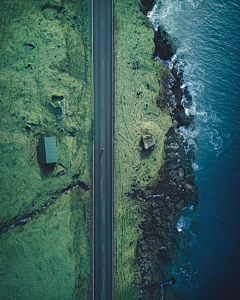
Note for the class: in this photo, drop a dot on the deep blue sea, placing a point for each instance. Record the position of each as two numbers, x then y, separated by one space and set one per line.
208 38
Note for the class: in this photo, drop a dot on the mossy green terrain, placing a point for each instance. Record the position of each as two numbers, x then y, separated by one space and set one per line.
49 257
45 90
138 84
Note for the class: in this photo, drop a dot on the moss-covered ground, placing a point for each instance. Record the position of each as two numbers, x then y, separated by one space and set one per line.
45 90
138 82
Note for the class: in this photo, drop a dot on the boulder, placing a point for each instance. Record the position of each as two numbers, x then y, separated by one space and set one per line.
147 5
148 142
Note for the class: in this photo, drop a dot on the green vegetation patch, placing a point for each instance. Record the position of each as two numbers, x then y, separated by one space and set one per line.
138 83
45 90
49 257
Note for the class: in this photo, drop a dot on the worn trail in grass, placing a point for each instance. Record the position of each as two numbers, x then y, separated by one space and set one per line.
138 82
45 90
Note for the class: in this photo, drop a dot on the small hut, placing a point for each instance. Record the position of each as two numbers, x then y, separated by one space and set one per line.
47 150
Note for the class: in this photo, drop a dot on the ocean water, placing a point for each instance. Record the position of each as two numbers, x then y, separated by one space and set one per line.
208 38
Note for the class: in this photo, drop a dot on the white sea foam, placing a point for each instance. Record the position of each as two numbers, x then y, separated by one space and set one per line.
186 225
170 14
183 86
216 140
195 166
180 224
166 13
189 138
189 272
186 271
207 58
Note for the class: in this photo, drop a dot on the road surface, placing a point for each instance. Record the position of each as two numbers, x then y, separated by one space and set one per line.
103 159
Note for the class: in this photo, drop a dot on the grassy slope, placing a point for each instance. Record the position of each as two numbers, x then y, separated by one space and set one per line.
26 98
138 80
50 255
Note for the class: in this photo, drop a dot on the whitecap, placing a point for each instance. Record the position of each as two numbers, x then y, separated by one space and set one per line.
183 86
191 207
216 141
195 166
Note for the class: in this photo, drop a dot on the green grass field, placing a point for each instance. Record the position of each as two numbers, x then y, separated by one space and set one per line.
45 90
138 82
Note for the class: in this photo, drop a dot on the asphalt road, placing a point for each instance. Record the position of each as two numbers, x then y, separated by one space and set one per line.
103 160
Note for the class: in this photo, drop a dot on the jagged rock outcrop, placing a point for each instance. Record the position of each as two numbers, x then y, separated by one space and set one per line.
175 188
164 47
174 191
147 5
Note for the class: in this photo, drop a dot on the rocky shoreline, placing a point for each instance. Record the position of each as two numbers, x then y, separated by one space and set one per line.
175 188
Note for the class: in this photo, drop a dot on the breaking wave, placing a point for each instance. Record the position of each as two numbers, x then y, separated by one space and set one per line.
187 272
169 14
207 61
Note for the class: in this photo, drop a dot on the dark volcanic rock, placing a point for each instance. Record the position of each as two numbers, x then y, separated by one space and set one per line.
175 188
172 98
164 47
147 5
174 191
